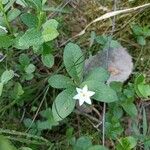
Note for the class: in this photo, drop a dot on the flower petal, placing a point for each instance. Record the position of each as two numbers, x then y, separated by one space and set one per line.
85 89
76 96
91 93
79 90
88 100
81 101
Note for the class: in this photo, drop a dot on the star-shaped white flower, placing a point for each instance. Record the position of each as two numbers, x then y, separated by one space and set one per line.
83 95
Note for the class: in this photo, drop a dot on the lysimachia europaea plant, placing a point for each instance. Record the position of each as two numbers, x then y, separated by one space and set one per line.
95 80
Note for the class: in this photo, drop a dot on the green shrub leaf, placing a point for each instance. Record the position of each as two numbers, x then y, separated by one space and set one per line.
1 88
6 76
98 74
83 143
5 41
50 30
103 92
29 20
30 38
130 108
127 143
97 147
74 61
63 104
60 81
24 59
48 60
13 14
30 69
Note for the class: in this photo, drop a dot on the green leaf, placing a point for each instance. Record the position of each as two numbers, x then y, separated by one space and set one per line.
63 104
141 40
37 4
21 3
5 41
5 1
30 38
50 30
130 108
83 143
1 88
47 114
60 81
28 122
144 90
140 79
117 86
92 38
48 60
29 76
145 122
5 144
103 92
18 91
29 20
127 143
24 59
49 34
74 61
25 148
98 74
50 23
44 1
97 147
6 76
137 30
30 69
43 125
101 39
146 32
107 42
13 14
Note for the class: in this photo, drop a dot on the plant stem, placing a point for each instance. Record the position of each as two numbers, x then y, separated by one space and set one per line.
5 18
104 113
38 108
25 137
8 106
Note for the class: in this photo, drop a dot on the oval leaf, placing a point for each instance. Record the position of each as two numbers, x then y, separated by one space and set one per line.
6 76
97 147
63 104
60 81
103 92
74 61
99 74
48 60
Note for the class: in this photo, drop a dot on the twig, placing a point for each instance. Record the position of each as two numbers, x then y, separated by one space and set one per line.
87 115
25 135
106 16
103 130
107 59
38 109
61 6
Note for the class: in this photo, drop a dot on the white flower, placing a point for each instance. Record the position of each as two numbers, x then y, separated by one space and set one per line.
83 95
3 28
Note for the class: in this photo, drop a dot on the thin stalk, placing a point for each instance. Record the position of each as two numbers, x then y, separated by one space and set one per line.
8 106
5 18
107 58
38 108
104 114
